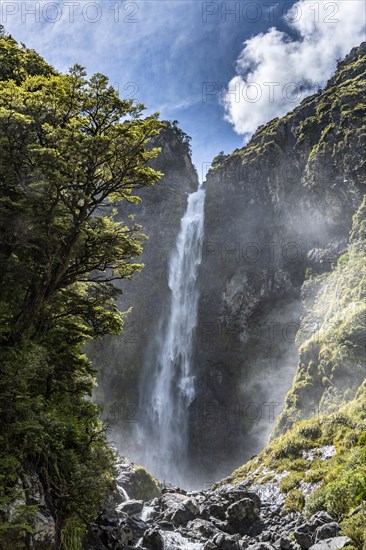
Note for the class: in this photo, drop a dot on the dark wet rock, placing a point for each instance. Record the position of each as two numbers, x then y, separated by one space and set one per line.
241 513
285 543
172 501
183 515
327 531
320 518
203 527
227 542
108 532
131 507
266 536
167 525
178 508
217 510
233 493
136 525
222 525
174 490
304 536
261 546
153 539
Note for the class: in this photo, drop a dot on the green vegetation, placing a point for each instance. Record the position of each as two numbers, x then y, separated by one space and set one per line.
71 151
182 137
332 359
295 501
354 527
341 478
145 486
290 481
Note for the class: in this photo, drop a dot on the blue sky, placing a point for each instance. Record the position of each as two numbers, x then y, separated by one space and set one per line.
166 53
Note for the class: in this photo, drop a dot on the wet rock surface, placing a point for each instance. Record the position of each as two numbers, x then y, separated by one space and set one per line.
230 517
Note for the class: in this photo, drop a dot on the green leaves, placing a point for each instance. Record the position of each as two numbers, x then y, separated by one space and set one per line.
71 152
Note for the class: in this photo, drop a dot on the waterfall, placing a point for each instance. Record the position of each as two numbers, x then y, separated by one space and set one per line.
168 386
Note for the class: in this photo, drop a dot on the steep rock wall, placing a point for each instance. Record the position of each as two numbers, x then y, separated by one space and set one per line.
277 211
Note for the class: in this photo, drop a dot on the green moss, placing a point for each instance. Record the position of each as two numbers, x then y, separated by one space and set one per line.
294 502
309 273
265 478
291 481
331 365
316 472
314 503
144 485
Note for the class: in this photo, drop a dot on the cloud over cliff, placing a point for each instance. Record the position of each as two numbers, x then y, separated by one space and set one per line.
275 71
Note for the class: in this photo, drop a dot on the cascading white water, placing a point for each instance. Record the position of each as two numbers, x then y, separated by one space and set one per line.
175 541
168 389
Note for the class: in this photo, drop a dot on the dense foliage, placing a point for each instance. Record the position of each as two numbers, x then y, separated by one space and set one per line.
70 151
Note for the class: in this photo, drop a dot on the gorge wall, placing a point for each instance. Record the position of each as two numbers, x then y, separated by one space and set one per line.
278 214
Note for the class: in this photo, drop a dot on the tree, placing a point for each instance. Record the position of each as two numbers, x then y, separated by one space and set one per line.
71 152
218 159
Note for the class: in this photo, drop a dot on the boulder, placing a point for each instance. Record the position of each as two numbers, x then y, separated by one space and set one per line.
217 510
202 526
327 531
304 536
180 510
172 501
335 543
182 516
266 536
235 493
130 507
285 543
241 513
153 539
320 518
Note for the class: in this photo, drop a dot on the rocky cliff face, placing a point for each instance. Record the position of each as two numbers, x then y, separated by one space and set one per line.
332 360
278 211
120 360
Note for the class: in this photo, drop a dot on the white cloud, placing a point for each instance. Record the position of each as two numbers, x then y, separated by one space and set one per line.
275 72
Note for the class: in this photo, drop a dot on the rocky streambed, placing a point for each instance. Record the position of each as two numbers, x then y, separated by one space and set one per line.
233 516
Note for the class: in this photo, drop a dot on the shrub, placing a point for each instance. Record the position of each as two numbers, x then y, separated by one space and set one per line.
290 481
314 503
294 501
355 528
311 431
342 494
290 448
